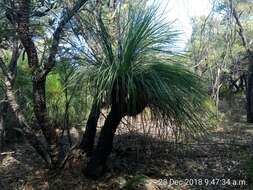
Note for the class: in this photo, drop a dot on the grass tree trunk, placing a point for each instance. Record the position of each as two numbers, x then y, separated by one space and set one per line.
1 132
97 163
119 108
249 94
89 135
2 124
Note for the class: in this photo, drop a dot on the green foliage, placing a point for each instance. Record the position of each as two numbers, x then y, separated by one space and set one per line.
62 92
215 43
139 68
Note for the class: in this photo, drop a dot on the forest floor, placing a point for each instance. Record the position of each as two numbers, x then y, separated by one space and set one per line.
222 160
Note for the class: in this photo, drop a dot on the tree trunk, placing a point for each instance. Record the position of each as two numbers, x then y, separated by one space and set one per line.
41 114
2 124
12 76
249 52
40 73
1 132
215 90
89 135
97 163
249 94
66 116
26 129
119 108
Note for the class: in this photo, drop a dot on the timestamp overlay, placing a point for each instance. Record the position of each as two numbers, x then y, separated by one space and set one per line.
201 182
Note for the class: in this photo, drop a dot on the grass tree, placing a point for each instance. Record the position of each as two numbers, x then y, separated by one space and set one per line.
131 68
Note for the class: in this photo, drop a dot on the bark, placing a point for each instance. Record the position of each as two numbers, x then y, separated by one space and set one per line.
1 132
12 69
249 93
2 123
97 163
39 73
26 129
249 89
119 108
13 62
41 113
39 82
66 116
89 135
57 34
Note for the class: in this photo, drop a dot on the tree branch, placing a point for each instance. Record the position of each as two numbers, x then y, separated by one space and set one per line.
13 62
25 127
241 30
4 69
57 34
26 36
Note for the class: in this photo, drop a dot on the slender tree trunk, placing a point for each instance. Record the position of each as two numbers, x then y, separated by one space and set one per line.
89 135
1 132
38 79
12 68
41 114
97 163
40 72
216 90
26 129
66 116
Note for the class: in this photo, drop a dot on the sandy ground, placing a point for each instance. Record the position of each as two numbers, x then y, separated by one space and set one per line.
218 161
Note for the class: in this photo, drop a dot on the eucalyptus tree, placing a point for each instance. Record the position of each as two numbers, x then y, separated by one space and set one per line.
217 51
131 68
249 52
10 49
27 15
237 15
211 50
